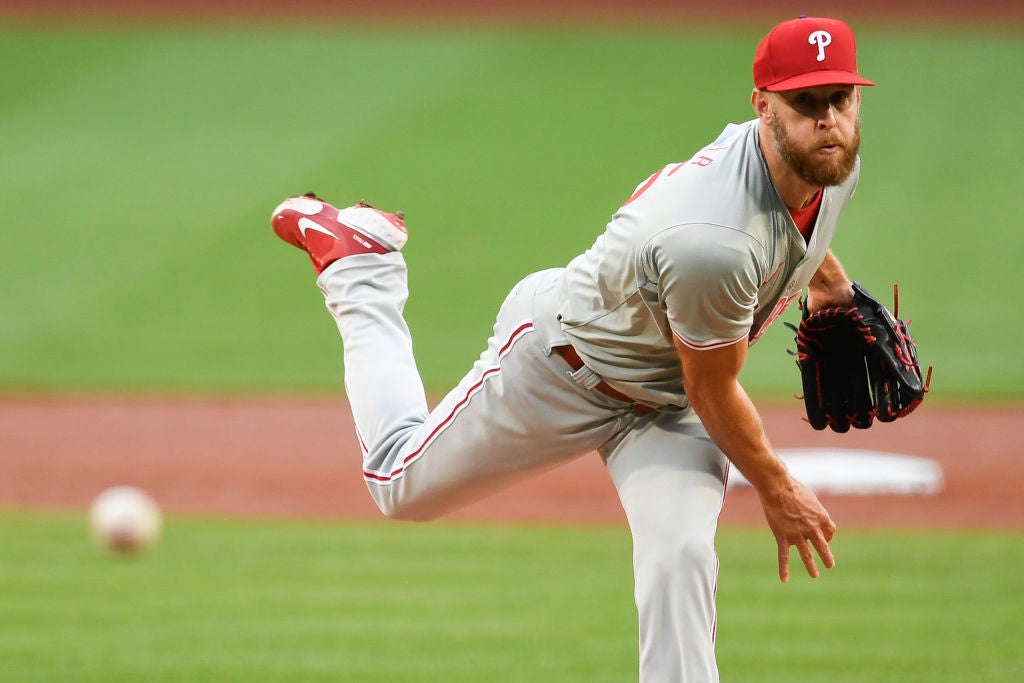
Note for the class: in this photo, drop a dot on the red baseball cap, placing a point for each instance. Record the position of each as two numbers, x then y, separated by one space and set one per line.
805 52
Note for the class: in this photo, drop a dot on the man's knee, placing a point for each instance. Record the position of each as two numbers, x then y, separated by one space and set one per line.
396 504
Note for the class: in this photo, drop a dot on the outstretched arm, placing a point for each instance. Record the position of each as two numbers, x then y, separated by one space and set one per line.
793 512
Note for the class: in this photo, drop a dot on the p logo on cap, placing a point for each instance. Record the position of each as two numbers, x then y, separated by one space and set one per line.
806 52
822 39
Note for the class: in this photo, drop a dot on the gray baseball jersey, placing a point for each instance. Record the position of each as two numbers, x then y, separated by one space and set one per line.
705 251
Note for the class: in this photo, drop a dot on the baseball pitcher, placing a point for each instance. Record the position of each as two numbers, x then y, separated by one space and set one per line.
634 348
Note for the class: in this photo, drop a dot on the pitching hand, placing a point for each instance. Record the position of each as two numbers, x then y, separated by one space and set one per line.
797 518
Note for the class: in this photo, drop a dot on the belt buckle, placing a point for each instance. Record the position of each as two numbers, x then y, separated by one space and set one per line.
572 358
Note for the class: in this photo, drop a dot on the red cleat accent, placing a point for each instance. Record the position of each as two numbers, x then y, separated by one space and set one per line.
328 234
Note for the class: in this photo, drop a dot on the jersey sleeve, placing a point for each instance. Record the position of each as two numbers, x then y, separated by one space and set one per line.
707 278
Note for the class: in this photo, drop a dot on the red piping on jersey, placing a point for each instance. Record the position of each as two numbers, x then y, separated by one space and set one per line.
677 167
707 347
418 452
771 277
643 188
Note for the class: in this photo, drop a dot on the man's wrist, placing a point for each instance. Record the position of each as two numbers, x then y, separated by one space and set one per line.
836 294
772 480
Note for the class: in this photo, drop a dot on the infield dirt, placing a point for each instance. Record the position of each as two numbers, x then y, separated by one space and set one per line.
298 458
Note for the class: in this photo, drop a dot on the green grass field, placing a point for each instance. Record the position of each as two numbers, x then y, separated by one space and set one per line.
224 601
138 171
139 168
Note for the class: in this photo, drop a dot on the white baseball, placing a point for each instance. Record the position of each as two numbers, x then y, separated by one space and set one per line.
125 519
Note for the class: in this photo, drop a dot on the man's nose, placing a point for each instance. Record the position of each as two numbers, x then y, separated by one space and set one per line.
827 117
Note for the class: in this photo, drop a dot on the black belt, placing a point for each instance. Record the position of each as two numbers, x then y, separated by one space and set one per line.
570 356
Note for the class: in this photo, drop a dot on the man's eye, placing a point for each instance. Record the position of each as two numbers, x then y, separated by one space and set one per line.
840 100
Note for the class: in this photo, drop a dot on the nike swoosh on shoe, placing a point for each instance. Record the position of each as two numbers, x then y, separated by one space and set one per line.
307 224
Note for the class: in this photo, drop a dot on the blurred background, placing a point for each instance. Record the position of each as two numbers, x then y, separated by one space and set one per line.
145 145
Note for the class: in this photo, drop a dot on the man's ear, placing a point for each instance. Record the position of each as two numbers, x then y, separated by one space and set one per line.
762 107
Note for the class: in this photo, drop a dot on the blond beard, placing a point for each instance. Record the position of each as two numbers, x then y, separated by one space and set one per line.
818 173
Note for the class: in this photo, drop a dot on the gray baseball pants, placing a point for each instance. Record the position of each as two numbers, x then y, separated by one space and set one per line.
519 411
